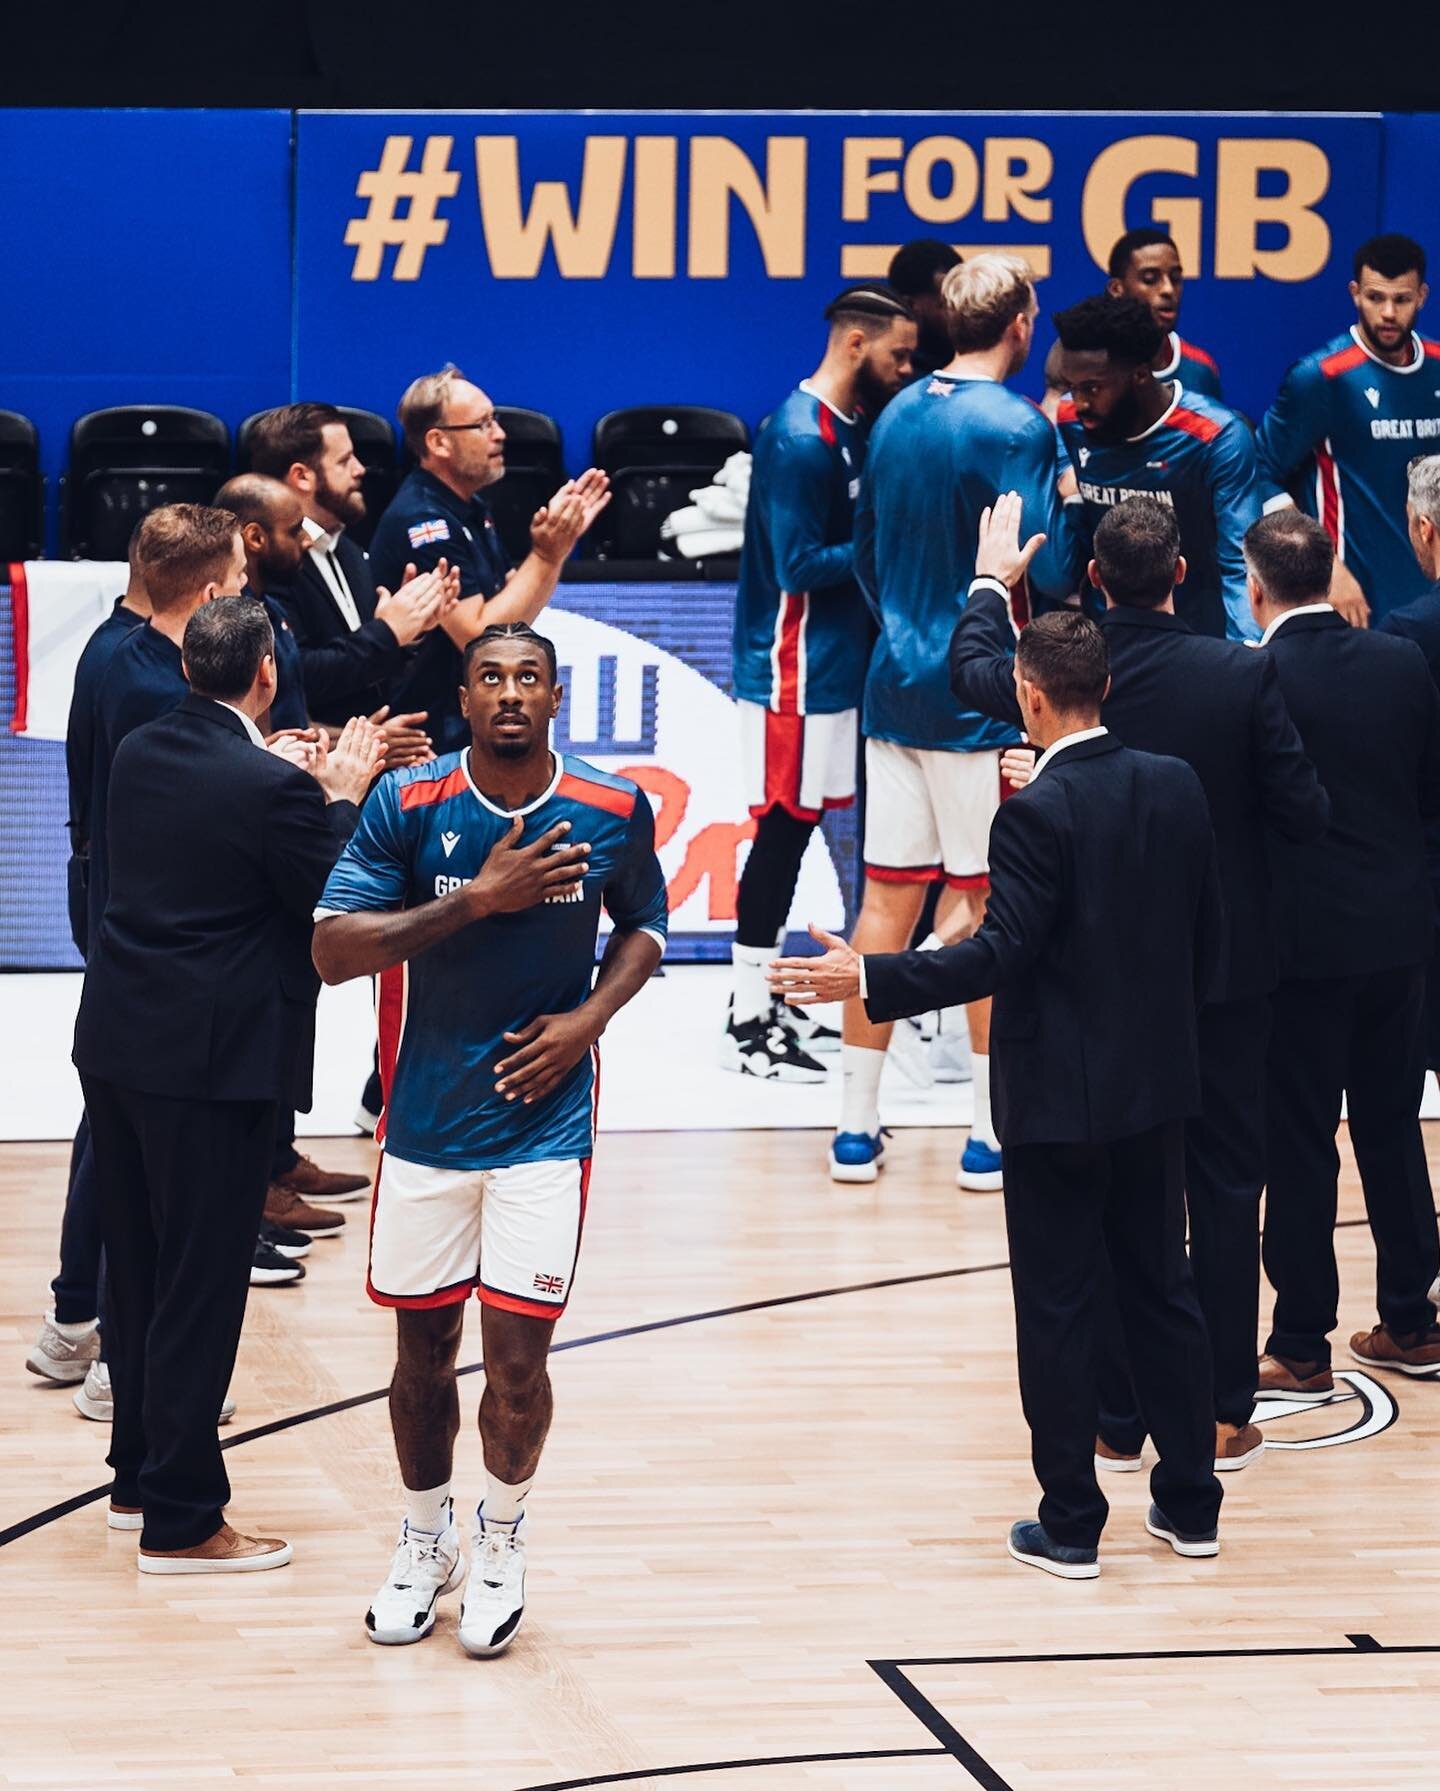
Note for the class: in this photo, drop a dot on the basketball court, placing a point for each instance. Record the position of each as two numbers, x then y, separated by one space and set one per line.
767 1543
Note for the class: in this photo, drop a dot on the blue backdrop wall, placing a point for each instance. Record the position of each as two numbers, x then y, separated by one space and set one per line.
575 262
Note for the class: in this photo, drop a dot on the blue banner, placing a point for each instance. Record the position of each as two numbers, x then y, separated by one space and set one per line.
577 263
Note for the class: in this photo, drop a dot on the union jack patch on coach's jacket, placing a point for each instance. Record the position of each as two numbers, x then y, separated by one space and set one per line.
422 533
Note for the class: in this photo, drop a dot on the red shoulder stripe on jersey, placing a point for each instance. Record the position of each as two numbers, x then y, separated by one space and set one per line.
1189 352
827 423
1432 349
1204 429
420 795
615 802
1343 360
1066 412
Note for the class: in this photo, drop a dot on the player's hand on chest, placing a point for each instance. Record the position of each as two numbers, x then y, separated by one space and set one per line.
537 861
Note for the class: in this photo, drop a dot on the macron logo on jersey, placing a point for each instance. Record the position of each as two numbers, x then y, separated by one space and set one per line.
1373 394
449 841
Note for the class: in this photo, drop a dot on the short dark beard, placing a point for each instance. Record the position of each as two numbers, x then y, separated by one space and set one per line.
510 749
349 508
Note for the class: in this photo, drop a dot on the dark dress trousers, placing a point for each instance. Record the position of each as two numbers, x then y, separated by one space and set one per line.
1217 705
348 671
196 1019
1420 622
1355 917
1102 933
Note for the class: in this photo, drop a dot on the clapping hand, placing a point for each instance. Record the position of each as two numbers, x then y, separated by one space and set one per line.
346 770
808 981
558 525
998 554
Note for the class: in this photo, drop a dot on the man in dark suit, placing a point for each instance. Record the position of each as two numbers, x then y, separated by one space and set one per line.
1216 705
196 1019
1101 936
354 639
1355 919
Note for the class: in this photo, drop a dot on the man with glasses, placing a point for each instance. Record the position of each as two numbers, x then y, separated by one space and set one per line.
439 514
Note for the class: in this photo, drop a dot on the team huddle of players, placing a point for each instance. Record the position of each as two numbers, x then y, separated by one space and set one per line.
867 488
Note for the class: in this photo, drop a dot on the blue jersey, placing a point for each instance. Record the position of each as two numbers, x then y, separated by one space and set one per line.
90 670
1195 369
1199 458
424 832
941 451
802 635
1339 438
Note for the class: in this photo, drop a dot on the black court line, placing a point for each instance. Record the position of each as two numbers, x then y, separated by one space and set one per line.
892 1673
52 1513
675 1772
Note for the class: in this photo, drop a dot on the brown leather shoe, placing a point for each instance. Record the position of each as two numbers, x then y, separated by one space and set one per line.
124 1517
315 1183
1412 1352
227 1551
1236 1446
1294 1380
283 1206
1111 1461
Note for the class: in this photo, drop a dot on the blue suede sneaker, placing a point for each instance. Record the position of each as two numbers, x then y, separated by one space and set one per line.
980 1168
857 1156
1030 1544
1200 1545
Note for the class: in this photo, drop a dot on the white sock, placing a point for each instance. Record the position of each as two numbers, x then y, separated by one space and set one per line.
752 992
75 1333
502 1506
982 1127
428 1511
931 942
860 1069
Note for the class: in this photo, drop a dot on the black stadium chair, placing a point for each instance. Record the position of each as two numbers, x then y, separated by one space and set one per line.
22 526
374 442
128 461
534 472
656 454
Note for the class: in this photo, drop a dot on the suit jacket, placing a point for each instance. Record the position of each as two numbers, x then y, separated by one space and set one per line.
1215 704
1100 938
199 983
348 671
1358 899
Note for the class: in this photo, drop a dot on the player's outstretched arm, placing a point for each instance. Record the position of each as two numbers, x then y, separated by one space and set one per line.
513 876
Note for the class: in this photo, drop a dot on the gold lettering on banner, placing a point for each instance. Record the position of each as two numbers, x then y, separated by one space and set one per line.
1240 209
857 182
1017 172
653 248
719 171
920 165
583 237
1107 187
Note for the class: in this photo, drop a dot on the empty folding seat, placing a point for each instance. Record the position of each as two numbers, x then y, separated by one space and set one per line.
128 461
656 455
21 489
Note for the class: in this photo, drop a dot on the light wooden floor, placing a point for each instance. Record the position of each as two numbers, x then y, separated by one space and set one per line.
736 1517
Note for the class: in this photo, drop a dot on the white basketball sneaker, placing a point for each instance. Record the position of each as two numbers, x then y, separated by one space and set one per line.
494 1600
424 1569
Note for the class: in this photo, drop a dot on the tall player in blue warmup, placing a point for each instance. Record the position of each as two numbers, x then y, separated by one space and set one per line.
802 643
1348 421
473 887
933 769
1129 434
1145 265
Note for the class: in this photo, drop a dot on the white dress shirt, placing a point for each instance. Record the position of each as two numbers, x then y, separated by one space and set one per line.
322 552
1060 745
1300 609
256 737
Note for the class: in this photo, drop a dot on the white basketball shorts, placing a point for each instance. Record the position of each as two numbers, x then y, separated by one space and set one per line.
928 814
511 1236
801 763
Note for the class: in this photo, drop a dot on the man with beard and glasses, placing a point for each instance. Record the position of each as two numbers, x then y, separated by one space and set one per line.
802 644
355 637
1129 434
473 887
439 514
1145 265
1347 422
